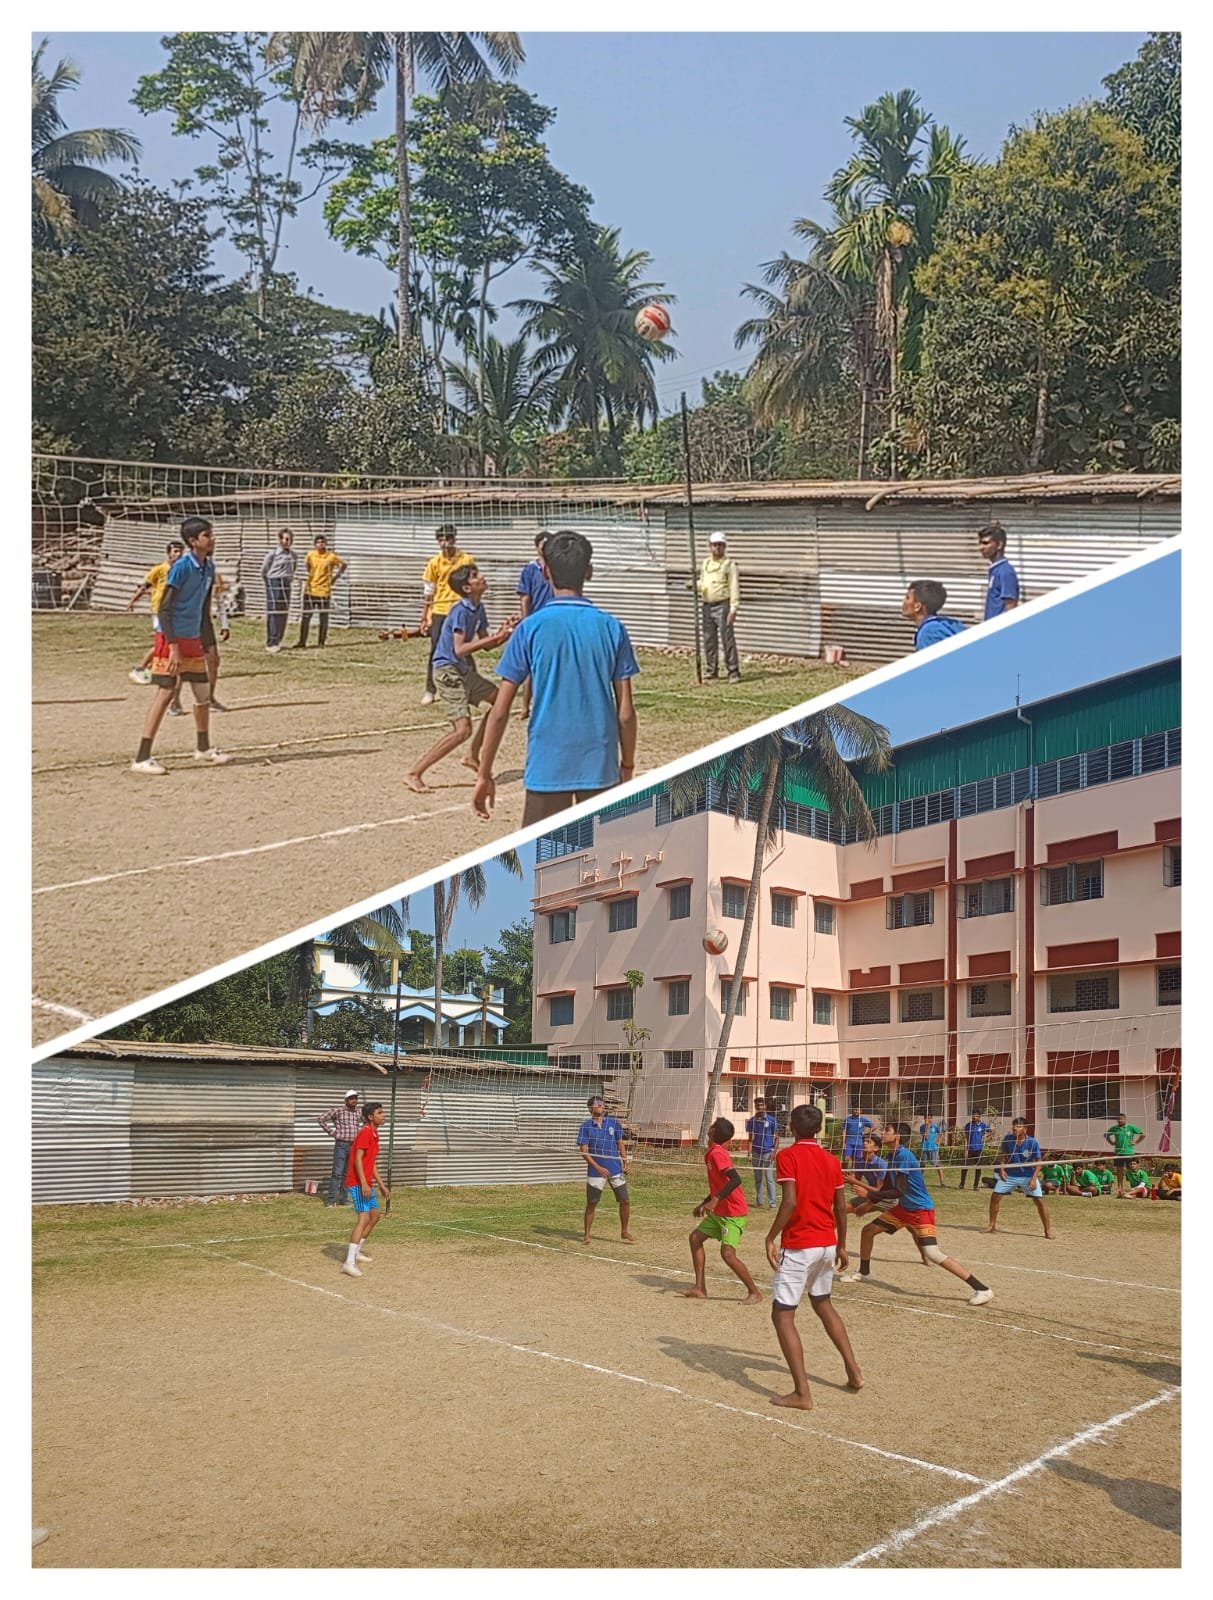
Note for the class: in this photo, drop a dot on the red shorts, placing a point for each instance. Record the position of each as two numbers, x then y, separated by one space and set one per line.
192 656
920 1223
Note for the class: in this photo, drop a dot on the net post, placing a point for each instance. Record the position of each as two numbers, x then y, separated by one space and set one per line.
686 460
391 1125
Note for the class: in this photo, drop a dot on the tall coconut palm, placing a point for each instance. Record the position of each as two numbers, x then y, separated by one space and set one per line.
818 329
504 402
68 187
448 892
585 322
894 189
817 751
372 944
348 70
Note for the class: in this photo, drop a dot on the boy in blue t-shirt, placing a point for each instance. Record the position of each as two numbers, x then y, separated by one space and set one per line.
603 1143
1002 587
921 606
460 687
580 662
1018 1167
928 1153
534 592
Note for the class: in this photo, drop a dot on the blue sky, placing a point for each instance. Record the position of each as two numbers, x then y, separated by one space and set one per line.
1115 627
703 148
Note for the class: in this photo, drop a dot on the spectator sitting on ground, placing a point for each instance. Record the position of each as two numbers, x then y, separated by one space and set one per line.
1106 1176
1053 1177
1137 1181
1170 1185
1086 1178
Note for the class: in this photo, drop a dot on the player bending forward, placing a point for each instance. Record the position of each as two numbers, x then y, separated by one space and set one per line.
811 1229
914 1210
724 1215
362 1178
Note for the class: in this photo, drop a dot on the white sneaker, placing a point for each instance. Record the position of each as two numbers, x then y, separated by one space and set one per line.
176 711
150 768
427 699
854 1277
217 758
981 1297
350 1272
139 675
362 1256
272 649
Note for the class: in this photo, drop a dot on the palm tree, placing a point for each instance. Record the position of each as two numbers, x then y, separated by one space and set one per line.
810 752
894 190
447 894
504 401
67 187
818 330
372 944
600 365
335 71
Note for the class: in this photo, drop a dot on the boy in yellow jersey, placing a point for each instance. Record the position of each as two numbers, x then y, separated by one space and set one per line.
154 583
439 598
324 567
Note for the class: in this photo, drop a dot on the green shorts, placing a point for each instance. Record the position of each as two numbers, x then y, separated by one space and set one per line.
460 691
727 1229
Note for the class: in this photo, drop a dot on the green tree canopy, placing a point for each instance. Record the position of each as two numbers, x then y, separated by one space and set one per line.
1145 95
69 186
509 966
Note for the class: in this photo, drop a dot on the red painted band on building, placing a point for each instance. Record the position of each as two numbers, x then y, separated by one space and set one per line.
990 964
1087 953
1089 844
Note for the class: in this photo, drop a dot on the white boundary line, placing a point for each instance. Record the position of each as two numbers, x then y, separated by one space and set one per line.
60 1011
918 1311
949 1513
254 850
774 1420
1160 550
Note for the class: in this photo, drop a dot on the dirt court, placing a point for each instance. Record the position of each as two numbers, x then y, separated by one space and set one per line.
310 816
528 1402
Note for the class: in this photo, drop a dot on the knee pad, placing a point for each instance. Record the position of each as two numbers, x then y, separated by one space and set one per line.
201 692
934 1253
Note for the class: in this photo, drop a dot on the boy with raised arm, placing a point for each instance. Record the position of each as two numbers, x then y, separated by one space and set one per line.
723 1215
806 1244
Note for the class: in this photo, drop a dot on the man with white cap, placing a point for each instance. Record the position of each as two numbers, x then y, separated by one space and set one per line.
342 1125
720 592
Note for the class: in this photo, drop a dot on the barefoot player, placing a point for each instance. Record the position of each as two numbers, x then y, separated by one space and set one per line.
806 1244
723 1215
1018 1167
601 1141
186 633
914 1210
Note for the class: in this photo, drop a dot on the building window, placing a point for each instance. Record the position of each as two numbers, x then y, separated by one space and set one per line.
621 915
741 1094
619 1005
990 999
993 1100
560 1011
620 1060
823 916
678 998
1093 991
910 910
783 910
871 1097
1081 1099
1171 874
921 1005
732 900
567 1063
565 841
679 1060
823 1010
562 927
726 997
1079 880
986 899
781 1003
678 902
867 1010
1169 992
783 1068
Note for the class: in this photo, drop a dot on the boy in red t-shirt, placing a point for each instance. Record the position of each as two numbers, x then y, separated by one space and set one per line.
724 1215
811 1227
361 1178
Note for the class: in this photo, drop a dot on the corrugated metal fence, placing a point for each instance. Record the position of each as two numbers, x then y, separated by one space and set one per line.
135 1129
814 572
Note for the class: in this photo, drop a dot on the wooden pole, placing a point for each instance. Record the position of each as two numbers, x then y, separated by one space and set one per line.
686 460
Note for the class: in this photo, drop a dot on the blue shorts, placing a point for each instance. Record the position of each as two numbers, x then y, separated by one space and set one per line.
360 1202
852 1152
1024 1185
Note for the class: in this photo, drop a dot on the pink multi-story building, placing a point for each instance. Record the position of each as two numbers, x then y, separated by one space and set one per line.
1010 943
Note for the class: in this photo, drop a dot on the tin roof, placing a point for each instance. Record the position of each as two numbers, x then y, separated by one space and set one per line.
253 1055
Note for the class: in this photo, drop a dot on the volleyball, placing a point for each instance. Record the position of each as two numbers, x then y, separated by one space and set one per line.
652 322
716 942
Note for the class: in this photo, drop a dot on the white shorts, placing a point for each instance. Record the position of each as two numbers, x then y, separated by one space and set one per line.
804 1269
597 1180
